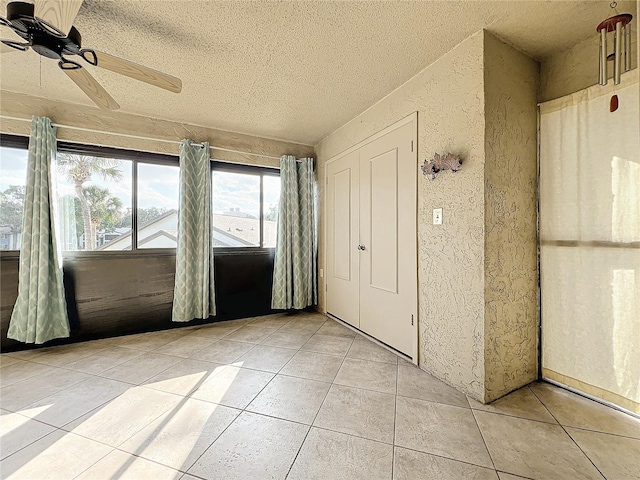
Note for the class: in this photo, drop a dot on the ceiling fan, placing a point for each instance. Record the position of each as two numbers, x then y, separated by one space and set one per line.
46 26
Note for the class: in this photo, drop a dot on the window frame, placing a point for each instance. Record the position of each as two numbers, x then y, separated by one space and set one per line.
261 171
135 157
138 157
19 142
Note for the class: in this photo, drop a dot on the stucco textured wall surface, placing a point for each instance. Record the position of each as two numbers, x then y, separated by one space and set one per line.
510 261
16 105
449 98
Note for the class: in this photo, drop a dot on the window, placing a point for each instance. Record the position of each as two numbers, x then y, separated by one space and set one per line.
115 200
270 205
157 221
94 202
13 180
245 206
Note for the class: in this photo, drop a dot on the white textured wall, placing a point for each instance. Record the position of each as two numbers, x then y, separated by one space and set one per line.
25 106
510 262
449 98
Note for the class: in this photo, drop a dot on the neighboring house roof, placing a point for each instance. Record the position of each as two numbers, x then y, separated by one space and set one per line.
226 239
246 228
166 214
237 213
127 232
228 231
159 233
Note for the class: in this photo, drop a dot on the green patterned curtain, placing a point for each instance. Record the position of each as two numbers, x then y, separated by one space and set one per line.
295 282
193 295
40 312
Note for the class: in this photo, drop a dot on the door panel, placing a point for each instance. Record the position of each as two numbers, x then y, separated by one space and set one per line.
383 220
341 225
342 239
388 265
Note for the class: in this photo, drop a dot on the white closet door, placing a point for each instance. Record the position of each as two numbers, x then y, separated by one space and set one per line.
388 260
342 239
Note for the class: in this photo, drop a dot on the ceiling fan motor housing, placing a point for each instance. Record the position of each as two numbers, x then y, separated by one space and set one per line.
48 37
39 35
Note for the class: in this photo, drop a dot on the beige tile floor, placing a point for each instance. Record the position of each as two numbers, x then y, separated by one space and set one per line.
285 396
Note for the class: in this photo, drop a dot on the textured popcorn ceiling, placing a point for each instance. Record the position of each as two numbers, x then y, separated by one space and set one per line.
289 70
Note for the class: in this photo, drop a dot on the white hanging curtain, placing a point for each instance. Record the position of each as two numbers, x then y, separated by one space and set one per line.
40 311
194 295
590 242
295 283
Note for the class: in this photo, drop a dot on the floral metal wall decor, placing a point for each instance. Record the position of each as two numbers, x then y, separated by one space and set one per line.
446 161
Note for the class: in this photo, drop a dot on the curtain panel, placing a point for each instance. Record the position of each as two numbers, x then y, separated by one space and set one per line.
295 282
194 295
590 241
40 311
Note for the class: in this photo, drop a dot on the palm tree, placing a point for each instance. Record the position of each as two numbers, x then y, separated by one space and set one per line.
106 210
79 170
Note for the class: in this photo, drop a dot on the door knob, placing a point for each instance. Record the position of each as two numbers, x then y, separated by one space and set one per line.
361 247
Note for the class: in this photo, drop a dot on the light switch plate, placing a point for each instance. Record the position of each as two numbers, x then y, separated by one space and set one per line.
437 216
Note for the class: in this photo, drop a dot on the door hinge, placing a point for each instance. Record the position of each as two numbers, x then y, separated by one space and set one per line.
412 145
411 319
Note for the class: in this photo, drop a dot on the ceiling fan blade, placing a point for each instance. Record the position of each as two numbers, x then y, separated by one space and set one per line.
138 72
6 49
8 46
92 88
59 14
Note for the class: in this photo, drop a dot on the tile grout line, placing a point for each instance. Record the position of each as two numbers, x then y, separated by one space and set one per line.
604 433
185 397
514 416
94 463
514 475
318 412
57 428
309 429
109 401
243 410
34 441
466 462
188 396
566 433
60 368
395 416
216 340
484 441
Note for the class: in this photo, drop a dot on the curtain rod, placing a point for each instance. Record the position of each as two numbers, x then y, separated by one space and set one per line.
138 137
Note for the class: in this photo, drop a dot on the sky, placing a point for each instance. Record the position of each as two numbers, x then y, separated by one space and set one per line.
237 190
13 167
157 184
